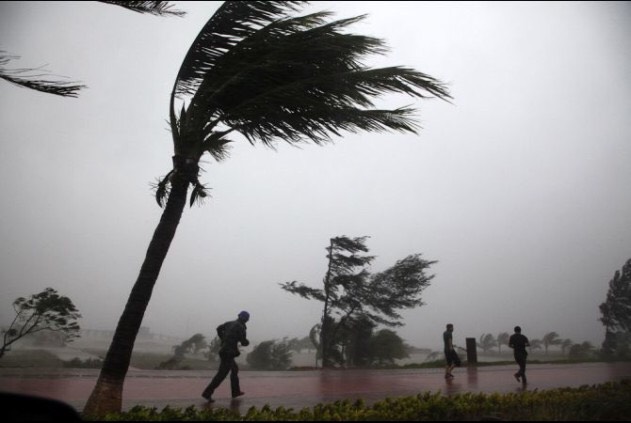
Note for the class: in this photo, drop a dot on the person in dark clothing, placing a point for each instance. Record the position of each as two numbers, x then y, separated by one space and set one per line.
518 343
451 357
231 334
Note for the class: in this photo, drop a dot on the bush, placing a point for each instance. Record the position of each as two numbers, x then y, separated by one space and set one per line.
609 401
270 355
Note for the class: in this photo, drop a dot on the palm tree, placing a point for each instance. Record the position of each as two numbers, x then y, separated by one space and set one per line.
39 79
256 70
536 344
502 339
551 338
487 342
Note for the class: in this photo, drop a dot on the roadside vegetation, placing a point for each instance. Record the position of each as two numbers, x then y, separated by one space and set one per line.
609 401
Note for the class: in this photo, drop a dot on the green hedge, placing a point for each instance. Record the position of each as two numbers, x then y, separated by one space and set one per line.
609 401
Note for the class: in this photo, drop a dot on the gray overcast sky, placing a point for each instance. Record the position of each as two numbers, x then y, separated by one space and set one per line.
520 188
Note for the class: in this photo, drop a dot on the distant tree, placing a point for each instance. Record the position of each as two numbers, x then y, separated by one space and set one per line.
270 355
357 345
292 344
581 351
213 349
46 339
536 344
356 336
306 344
616 313
551 338
345 276
487 342
349 290
502 339
46 311
77 363
565 344
386 346
299 344
617 345
337 341
314 337
192 345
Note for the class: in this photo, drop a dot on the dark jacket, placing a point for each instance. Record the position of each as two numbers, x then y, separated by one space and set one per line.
231 334
518 343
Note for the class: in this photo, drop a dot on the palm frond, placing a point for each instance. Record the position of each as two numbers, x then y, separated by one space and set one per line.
216 145
233 21
271 76
198 194
162 189
37 79
160 8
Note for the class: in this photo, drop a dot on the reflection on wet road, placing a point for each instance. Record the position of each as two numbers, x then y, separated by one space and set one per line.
298 389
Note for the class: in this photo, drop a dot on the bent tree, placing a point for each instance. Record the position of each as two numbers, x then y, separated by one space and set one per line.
353 297
616 314
258 70
45 311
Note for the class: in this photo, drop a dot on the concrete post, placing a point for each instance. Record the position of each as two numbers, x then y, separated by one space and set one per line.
472 352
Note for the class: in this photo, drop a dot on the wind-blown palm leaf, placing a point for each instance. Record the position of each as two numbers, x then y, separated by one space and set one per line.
233 21
37 79
161 8
43 81
255 70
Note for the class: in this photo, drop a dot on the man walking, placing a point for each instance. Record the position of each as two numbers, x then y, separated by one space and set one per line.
451 357
518 343
231 334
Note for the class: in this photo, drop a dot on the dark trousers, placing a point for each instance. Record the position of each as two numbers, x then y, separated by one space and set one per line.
227 365
521 361
452 358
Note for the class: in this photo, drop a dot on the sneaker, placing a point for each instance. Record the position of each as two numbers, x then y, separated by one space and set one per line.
517 377
448 375
207 397
238 394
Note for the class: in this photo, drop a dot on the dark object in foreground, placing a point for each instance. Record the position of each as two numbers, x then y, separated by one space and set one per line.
27 408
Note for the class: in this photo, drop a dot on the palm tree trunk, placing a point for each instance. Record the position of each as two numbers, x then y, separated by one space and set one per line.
107 394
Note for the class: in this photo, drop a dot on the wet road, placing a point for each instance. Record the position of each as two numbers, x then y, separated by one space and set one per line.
298 389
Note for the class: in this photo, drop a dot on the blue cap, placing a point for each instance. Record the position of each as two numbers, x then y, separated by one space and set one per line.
244 315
